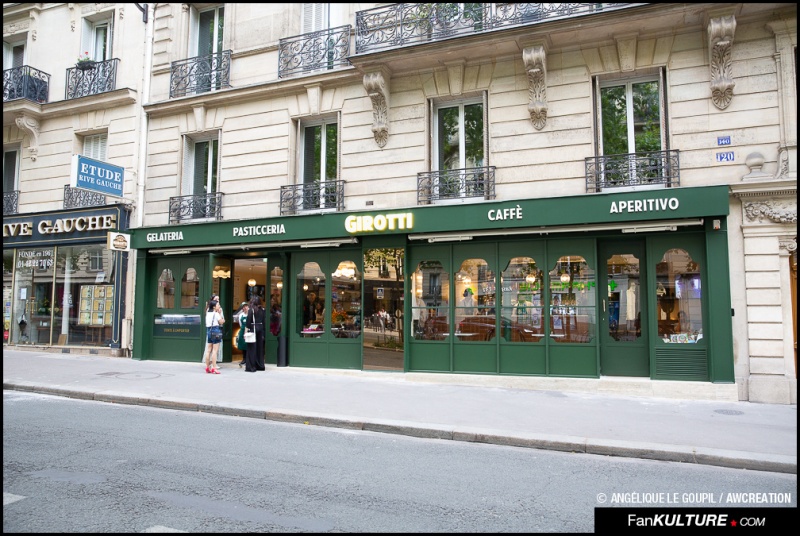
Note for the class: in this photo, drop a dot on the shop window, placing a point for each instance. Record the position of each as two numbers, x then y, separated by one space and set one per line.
86 302
95 147
8 287
311 299
190 290
430 310
346 301
459 148
475 306
572 301
320 164
679 303
522 312
165 297
631 131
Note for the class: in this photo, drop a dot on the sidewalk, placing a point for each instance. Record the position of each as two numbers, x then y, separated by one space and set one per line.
743 435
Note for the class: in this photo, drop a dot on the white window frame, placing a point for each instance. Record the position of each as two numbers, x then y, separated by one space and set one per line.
217 45
8 53
323 180
658 75
89 37
436 106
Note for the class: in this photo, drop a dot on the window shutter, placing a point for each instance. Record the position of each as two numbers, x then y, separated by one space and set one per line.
201 158
95 147
87 39
313 17
110 39
18 56
486 128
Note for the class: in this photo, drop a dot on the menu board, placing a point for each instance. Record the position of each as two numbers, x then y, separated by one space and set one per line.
97 305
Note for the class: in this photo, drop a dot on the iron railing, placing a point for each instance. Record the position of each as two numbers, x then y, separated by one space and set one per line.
200 74
91 78
77 197
408 24
11 202
196 207
316 51
634 169
455 184
25 82
327 195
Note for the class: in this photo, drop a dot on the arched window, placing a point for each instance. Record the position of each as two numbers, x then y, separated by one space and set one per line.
165 298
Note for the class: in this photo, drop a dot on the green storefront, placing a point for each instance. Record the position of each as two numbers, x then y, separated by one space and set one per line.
623 284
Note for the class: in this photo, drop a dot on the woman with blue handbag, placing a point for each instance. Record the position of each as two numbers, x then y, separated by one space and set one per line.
214 322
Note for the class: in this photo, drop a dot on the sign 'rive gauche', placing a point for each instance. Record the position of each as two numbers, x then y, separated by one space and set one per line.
96 176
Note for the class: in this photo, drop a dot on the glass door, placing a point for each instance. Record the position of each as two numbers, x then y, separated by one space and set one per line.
623 326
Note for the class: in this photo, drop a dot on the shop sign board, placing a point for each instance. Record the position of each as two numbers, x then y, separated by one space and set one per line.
96 176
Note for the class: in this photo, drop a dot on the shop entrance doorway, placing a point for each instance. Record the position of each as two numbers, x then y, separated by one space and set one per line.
384 326
623 322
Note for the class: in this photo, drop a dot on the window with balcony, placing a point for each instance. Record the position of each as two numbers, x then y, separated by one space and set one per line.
320 165
200 196
205 41
459 153
632 147
315 17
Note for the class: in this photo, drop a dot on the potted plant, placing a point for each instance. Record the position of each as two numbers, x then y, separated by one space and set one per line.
84 62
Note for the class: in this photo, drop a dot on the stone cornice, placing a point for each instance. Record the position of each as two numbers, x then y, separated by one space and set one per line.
255 92
766 188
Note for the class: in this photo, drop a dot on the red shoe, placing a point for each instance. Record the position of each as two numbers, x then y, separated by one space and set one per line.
208 370
215 371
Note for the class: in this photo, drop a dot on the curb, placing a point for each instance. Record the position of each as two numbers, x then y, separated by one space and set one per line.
649 451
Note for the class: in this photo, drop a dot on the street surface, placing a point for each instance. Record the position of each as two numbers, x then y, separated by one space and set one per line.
82 466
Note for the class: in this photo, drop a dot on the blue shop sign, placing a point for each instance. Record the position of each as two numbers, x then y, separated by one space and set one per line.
96 176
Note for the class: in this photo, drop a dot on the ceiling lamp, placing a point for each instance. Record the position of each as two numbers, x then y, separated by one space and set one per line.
279 284
565 277
530 278
251 282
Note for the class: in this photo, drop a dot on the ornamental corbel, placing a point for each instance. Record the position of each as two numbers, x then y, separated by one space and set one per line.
32 127
720 43
761 210
535 65
378 91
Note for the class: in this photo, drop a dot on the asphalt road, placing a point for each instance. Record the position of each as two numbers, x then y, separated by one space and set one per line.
83 466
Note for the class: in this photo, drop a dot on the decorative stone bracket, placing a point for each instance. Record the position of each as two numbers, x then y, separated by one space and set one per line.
536 67
720 42
378 91
31 126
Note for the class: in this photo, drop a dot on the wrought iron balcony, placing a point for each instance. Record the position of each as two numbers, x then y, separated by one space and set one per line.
91 78
455 184
25 82
316 51
328 195
11 202
408 24
634 169
77 197
196 207
200 74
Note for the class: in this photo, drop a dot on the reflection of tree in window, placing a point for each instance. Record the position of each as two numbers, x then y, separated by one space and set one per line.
166 290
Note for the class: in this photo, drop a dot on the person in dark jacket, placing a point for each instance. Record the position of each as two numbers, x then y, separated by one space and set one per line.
256 321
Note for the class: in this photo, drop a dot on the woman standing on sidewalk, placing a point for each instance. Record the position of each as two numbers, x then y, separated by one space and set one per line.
214 322
256 322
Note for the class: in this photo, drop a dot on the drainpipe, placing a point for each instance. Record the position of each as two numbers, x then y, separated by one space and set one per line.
141 173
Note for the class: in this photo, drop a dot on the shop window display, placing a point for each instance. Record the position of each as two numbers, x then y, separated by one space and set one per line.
522 312
346 301
475 301
430 310
679 304
310 303
572 301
